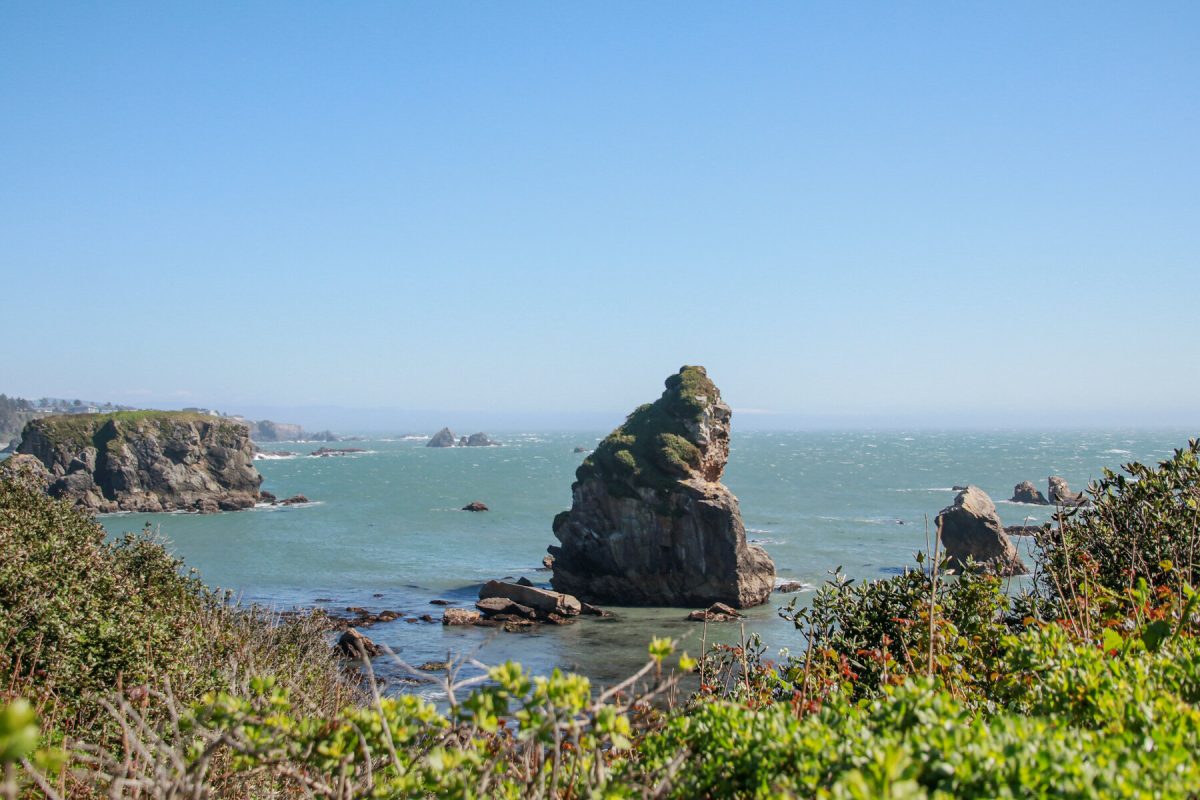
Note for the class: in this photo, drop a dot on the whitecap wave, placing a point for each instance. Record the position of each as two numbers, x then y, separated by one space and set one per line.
267 455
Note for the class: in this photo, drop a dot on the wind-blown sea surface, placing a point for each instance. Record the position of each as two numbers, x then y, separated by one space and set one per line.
384 530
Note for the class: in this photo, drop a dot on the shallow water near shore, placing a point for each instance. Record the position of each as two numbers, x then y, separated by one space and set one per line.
384 530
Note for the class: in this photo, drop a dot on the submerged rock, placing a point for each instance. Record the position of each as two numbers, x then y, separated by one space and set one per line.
324 452
443 438
650 523
1026 492
971 529
146 461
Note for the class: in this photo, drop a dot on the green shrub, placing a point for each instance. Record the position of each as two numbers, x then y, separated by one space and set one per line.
864 635
1144 524
81 618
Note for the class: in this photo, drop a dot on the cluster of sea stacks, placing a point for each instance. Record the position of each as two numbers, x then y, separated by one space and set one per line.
1060 493
445 438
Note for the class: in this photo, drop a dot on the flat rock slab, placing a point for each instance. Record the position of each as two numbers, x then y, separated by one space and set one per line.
491 606
541 600
717 612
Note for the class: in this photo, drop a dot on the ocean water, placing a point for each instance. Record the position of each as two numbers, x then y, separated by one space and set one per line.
384 530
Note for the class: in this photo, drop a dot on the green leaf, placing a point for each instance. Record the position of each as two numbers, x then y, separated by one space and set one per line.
1154 634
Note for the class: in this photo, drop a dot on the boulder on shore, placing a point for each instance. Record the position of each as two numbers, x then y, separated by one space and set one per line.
650 522
1061 494
443 438
971 529
1026 492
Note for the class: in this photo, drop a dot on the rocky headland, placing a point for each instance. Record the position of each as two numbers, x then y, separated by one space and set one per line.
145 461
650 522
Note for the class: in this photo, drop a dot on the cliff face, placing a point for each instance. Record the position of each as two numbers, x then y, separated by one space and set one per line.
146 460
650 523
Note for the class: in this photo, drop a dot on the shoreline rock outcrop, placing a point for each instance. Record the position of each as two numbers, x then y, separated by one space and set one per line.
971 529
147 461
650 523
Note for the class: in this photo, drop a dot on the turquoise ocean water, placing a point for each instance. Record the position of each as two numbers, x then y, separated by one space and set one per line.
385 530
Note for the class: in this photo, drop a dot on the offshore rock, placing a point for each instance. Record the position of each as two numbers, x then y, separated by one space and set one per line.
443 438
971 529
479 440
1026 492
1061 494
650 523
146 461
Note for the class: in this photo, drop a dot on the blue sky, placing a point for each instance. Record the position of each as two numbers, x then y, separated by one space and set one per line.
869 213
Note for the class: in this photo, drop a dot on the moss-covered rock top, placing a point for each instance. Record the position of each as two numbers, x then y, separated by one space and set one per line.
658 444
74 432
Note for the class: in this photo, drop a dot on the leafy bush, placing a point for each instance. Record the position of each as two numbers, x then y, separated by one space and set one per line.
1145 524
865 635
80 618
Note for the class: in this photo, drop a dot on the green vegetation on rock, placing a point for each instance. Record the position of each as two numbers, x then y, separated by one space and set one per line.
74 432
653 449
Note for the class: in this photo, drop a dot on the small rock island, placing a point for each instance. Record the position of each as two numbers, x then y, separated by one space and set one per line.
650 522
445 438
144 461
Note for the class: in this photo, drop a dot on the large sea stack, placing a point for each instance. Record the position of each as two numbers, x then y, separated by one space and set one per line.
146 460
971 529
650 523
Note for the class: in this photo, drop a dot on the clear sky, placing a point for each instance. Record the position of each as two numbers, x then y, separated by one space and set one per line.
849 212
